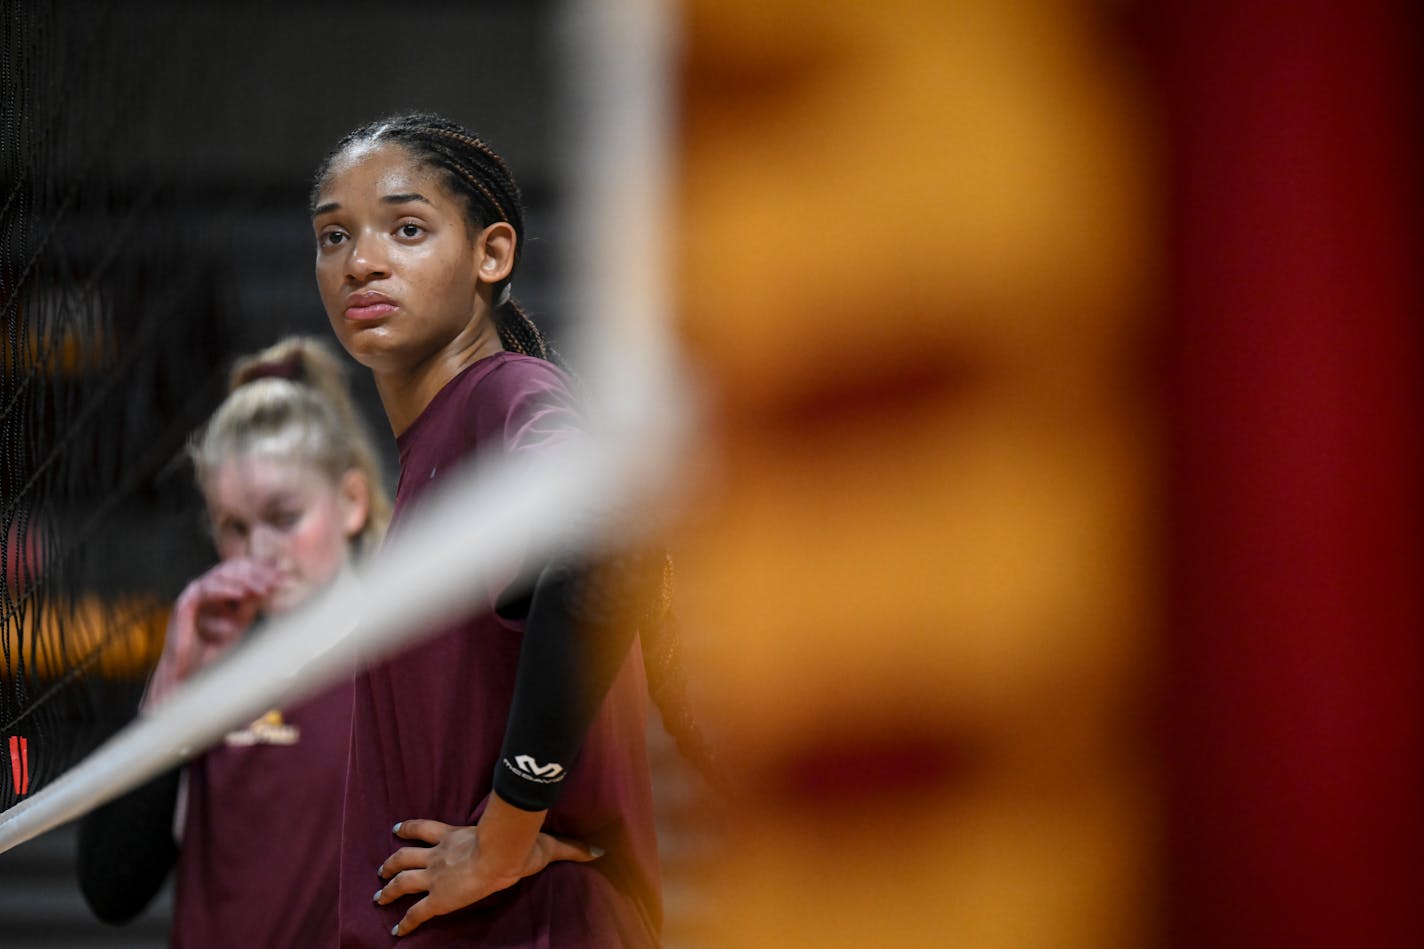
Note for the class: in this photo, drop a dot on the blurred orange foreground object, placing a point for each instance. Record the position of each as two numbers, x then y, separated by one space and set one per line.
918 574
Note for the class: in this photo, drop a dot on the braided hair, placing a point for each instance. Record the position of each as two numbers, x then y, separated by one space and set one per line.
473 171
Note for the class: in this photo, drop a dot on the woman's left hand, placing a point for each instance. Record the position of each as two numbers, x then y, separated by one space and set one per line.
463 865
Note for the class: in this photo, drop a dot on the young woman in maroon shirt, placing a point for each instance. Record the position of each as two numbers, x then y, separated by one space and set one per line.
294 496
498 781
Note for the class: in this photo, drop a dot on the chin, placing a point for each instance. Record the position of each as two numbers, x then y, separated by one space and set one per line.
285 601
371 348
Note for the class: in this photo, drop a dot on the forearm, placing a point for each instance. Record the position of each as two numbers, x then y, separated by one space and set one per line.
126 849
575 640
506 836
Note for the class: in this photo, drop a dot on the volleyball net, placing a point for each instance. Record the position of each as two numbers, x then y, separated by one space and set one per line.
58 636
101 378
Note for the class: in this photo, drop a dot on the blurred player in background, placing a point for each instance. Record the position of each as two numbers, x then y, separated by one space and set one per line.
294 496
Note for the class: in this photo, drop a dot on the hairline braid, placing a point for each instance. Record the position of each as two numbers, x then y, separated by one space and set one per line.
485 150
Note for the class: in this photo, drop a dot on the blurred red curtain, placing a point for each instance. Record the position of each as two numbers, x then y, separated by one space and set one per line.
1293 368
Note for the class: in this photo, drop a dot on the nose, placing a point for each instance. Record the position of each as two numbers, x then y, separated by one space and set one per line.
366 259
265 544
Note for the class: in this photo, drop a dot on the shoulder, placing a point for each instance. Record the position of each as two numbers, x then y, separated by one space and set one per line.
503 384
527 400
514 375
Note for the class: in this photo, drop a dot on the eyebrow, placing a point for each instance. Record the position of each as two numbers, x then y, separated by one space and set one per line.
385 199
404 198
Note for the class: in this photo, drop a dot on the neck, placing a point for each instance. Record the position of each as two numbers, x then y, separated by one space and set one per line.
405 392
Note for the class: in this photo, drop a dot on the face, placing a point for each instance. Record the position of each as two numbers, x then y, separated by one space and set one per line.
398 266
289 516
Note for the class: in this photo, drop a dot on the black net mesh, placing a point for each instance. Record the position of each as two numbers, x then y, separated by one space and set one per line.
108 361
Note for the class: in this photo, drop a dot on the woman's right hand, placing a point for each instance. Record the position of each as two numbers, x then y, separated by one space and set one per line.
211 614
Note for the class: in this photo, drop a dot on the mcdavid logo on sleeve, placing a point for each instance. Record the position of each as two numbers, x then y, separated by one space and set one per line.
526 767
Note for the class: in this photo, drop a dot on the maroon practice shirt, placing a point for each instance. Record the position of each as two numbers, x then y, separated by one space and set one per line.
261 839
429 724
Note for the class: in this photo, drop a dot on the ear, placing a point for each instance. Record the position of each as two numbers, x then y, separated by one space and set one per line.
354 498
495 252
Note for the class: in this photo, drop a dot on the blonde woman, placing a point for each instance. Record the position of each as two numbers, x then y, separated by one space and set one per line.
293 495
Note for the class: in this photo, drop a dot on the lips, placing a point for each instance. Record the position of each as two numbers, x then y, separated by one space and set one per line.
368 306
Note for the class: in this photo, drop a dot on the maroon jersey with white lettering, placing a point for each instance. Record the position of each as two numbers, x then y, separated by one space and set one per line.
429 724
261 836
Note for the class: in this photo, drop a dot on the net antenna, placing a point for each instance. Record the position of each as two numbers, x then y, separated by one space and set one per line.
620 77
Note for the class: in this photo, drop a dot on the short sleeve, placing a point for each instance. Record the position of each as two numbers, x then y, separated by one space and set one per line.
529 403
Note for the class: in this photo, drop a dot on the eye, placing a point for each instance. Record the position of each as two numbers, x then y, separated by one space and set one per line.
410 231
228 530
330 238
285 520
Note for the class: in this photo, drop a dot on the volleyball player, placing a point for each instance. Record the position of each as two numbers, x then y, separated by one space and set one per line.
294 496
499 781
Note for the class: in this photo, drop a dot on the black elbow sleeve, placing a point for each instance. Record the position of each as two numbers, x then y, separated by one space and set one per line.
126 849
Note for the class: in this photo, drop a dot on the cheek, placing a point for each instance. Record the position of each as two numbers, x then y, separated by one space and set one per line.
229 548
319 547
450 283
328 283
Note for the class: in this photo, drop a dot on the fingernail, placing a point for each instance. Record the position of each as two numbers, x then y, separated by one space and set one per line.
395 930
381 871
397 827
377 897
596 851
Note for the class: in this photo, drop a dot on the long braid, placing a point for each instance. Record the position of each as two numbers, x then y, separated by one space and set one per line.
660 635
483 180
518 333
